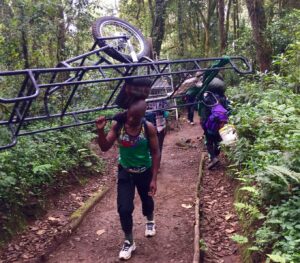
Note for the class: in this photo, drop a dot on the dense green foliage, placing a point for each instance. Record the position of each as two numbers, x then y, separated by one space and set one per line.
38 165
267 158
40 34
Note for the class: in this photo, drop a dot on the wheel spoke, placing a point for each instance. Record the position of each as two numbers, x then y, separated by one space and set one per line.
114 29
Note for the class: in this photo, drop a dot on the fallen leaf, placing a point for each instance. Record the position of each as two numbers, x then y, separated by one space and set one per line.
17 247
100 232
54 221
41 232
230 230
187 206
26 256
228 216
51 218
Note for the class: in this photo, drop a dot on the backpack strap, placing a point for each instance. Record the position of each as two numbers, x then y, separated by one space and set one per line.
146 129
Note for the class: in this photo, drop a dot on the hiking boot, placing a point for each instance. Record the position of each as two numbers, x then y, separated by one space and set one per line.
150 229
127 250
213 163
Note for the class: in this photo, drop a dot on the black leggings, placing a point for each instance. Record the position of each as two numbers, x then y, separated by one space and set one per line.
191 113
212 143
126 191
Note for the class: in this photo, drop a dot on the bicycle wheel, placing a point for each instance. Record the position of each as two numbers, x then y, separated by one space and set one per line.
119 49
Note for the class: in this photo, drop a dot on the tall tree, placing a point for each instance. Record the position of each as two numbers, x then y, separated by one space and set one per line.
221 12
206 20
61 34
158 29
235 18
180 28
151 10
227 19
24 37
258 22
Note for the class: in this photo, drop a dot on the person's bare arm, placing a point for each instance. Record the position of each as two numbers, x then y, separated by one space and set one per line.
190 82
105 141
155 154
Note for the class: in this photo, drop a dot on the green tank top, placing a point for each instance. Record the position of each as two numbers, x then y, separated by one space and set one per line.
134 151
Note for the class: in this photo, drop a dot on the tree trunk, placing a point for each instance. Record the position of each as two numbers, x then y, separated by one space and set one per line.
234 15
24 39
206 22
258 22
140 3
221 11
61 35
227 20
151 13
180 29
158 30
237 19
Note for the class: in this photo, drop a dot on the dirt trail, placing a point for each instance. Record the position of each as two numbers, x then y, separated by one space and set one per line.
218 217
174 239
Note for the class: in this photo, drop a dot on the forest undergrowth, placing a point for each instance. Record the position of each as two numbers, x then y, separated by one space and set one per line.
266 160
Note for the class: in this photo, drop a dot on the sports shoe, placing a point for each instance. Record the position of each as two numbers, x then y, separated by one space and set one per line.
150 229
127 250
192 123
213 163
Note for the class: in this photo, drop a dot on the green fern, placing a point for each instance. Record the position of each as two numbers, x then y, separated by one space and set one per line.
283 173
250 189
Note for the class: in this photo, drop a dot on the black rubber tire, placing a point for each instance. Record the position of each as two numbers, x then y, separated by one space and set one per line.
144 46
217 86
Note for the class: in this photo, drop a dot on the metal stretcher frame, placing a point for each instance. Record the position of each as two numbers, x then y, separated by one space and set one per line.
32 85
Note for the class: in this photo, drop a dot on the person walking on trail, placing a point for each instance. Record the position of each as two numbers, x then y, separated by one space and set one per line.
139 158
213 111
190 108
159 119
188 87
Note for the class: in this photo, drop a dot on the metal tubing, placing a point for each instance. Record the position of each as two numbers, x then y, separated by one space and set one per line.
156 69
30 97
114 37
126 77
57 115
92 121
48 70
85 55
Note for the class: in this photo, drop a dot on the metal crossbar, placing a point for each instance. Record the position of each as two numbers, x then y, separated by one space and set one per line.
58 94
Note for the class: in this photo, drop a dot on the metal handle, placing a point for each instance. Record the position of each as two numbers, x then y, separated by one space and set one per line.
245 61
30 97
13 141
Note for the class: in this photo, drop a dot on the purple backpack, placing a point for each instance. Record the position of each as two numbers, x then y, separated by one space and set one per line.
217 116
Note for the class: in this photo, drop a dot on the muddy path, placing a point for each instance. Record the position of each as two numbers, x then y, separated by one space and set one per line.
99 237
